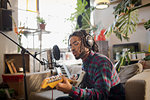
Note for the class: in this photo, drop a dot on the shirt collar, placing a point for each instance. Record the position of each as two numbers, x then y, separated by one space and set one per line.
87 60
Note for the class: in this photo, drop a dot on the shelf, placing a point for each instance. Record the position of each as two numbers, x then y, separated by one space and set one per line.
132 60
114 1
7 9
17 61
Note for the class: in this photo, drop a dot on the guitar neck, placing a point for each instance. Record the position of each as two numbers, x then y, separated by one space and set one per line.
54 80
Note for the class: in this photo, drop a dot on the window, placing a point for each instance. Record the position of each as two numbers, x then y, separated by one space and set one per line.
55 13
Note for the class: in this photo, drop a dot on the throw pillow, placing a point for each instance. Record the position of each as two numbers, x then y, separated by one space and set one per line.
146 64
129 71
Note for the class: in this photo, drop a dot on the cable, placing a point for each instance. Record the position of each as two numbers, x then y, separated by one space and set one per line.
52 93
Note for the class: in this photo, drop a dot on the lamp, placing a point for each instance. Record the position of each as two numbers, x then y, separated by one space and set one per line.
101 4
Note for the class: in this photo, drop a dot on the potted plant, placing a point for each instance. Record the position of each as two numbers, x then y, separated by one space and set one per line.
124 60
41 22
126 19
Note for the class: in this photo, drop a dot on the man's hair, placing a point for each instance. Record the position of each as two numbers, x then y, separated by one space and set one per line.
82 35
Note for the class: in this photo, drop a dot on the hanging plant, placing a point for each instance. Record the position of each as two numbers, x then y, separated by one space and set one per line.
126 19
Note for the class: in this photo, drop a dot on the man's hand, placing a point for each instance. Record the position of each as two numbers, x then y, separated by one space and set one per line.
65 86
74 77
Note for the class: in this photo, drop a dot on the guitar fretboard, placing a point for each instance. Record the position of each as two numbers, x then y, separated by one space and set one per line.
54 78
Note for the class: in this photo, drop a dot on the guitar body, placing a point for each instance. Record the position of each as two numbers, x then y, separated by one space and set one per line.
54 80
47 83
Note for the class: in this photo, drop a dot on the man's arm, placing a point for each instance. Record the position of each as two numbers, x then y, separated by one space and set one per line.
101 87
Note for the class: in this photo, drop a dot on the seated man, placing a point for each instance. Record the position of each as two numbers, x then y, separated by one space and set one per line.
101 81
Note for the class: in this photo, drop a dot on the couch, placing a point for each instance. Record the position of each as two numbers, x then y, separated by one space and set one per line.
137 84
138 87
34 90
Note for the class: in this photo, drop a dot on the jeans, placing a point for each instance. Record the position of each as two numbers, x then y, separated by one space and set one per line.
116 93
65 98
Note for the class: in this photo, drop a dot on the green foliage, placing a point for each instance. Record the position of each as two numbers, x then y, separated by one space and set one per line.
147 58
3 95
126 20
125 6
79 9
85 13
122 61
147 25
86 19
40 20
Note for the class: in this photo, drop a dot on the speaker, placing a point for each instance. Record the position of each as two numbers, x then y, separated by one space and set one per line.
5 20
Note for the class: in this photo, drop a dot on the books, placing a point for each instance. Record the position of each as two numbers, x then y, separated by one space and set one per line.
11 66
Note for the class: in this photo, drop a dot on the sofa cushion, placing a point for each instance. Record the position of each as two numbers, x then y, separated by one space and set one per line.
138 87
129 71
146 64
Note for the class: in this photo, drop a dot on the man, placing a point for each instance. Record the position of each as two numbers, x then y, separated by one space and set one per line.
101 81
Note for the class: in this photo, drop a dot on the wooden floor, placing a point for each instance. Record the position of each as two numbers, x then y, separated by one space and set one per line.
46 95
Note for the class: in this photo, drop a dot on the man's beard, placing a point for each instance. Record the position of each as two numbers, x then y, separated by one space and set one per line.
82 54
77 57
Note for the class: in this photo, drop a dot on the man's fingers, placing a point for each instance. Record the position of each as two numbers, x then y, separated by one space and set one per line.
65 80
65 86
60 86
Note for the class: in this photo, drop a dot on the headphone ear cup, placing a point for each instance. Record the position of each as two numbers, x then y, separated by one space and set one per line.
89 41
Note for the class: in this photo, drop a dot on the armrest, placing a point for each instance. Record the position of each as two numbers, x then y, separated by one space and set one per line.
34 81
138 87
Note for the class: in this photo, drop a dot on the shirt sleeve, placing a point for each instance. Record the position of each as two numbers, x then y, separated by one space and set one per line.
101 87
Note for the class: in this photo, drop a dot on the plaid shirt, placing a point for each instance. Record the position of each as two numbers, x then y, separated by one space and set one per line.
100 77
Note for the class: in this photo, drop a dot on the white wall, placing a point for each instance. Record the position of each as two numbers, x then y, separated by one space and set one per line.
141 35
105 16
6 46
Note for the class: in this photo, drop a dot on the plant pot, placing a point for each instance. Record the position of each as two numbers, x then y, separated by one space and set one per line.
103 47
42 26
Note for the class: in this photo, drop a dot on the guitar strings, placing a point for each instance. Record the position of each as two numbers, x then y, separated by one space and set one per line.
54 78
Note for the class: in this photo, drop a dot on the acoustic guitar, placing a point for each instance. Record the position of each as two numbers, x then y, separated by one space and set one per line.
54 80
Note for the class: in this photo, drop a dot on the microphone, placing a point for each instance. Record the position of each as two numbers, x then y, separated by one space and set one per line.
52 56
56 52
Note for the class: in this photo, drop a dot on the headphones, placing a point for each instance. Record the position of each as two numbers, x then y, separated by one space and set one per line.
89 42
86 39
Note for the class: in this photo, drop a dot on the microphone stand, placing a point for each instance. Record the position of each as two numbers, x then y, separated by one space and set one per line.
47 62
53 59
44 60
23 61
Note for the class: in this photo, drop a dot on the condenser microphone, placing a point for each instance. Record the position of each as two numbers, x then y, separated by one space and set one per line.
53 55
56 52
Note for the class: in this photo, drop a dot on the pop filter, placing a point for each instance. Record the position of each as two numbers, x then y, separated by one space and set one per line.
56 52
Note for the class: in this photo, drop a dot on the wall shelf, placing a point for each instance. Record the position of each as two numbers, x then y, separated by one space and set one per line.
114 1
17 60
